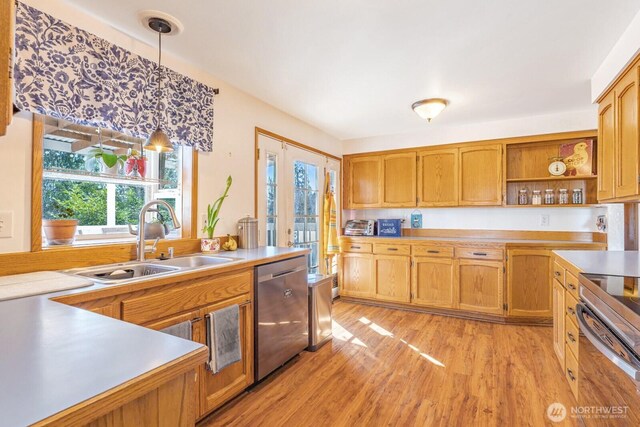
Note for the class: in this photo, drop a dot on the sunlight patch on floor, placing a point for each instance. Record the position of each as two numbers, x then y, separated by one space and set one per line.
342 334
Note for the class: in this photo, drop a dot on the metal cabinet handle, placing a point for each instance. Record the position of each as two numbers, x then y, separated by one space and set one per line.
392 249
571 337
433 252
571 311
571 375
571 286
480 253
557 273
355 247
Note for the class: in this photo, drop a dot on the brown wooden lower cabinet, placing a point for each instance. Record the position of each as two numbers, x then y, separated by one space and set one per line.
528 290
216 389
356 271
392 277
481 286
433 282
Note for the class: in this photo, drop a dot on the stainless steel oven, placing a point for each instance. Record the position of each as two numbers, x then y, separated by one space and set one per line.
609 366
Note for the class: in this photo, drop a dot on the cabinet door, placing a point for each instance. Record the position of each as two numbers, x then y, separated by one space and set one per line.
216 389
558 321
399 180
626 110
481 286
433 282
356 271
365 182
480 175
7 18
392 278
438 177
529 283
606 149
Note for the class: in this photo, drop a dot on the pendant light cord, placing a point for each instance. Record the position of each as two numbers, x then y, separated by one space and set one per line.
159 112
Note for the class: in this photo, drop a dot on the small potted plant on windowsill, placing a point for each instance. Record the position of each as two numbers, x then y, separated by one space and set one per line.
61 228
211 244
135 163
108 162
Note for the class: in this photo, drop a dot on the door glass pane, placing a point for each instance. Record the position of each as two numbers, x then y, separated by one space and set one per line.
306 211
272 199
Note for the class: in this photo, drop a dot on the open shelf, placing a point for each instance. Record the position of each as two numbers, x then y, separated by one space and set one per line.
102 178
553 178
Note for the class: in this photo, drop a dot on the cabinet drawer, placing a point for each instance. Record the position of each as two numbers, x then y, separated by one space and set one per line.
432 251
570 308
558 273
200 292
356 247
387 249
571 336
571 371
480 253
572 284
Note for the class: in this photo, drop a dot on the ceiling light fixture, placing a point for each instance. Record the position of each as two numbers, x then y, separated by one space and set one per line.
158 140
429 108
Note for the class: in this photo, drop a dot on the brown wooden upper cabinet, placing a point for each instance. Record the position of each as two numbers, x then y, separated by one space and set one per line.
364 189
6 49
399 180
618 139
480 175
438 177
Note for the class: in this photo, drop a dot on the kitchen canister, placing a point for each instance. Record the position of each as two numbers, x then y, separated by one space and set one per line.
248 233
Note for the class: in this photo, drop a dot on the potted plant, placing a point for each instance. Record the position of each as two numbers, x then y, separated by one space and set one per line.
61 229
135 163
108 162
211 244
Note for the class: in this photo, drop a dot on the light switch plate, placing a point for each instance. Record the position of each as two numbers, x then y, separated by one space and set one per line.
6 224
544 220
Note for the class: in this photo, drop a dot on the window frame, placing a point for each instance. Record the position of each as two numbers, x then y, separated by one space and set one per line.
188 233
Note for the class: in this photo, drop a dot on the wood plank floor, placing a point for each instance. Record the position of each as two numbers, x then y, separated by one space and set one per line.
392 367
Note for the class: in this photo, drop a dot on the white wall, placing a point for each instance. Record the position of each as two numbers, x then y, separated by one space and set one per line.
620 56
560 219
236 116
433 134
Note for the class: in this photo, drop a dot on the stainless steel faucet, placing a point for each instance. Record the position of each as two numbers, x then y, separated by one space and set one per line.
142 245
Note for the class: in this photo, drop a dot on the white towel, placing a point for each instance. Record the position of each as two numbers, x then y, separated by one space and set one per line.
223 338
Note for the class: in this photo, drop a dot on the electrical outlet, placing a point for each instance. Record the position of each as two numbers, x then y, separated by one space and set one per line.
544 220
6 224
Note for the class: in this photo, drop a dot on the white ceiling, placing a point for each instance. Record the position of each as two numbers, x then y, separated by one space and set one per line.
354 67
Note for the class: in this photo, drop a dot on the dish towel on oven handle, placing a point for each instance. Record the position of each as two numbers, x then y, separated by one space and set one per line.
223 338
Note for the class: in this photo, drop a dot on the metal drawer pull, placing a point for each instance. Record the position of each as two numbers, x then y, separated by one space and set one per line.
355 247
557 273
571 286
482 254
571 337
571 311
433 252
392 249
570 374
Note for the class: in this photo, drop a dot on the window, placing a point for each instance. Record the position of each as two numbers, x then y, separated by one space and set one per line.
306 211
105 201
272 200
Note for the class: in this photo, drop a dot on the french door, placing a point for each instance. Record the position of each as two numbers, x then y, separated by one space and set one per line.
291 188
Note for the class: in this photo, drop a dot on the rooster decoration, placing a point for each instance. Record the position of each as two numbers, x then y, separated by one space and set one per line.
578 160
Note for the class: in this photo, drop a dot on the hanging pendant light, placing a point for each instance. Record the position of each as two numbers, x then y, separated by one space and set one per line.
158 140
429 108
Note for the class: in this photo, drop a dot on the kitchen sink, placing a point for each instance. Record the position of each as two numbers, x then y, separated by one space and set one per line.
197 261
119 273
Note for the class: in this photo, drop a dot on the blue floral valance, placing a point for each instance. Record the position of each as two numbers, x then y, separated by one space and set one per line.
68 73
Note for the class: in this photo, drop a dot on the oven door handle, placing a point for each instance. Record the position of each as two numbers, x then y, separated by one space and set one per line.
602 347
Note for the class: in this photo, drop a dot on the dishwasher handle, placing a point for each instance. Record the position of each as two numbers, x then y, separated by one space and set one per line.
279 274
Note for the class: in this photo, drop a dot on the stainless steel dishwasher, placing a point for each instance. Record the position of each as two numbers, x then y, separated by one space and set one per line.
281 314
